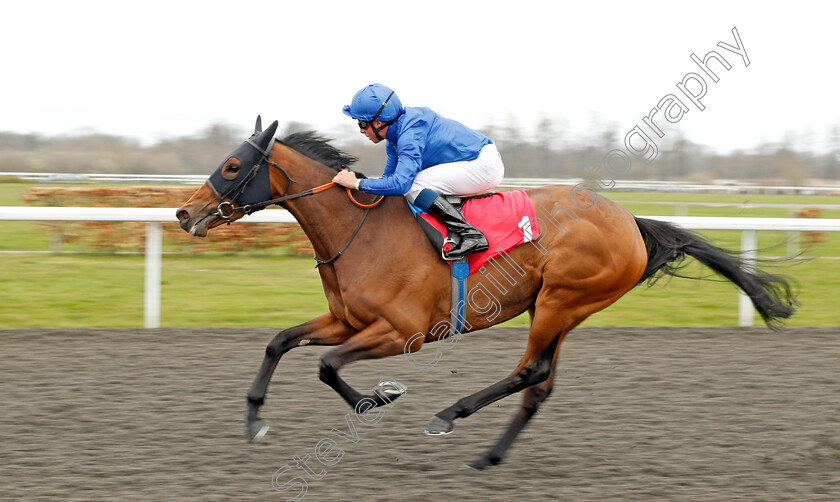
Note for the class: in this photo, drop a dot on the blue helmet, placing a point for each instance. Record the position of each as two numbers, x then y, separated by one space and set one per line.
374 102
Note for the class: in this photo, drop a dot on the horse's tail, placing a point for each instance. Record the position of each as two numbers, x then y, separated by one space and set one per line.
667 246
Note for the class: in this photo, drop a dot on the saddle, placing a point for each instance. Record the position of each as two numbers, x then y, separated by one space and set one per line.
436 237
507 219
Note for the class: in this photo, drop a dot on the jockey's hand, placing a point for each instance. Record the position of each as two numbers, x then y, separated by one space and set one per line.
345 178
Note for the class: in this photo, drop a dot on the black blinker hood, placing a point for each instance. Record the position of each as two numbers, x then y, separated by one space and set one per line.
252 183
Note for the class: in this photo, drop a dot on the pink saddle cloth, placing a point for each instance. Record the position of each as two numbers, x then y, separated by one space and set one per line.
507 219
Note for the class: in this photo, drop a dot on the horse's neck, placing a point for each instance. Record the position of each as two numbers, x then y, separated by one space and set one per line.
324 217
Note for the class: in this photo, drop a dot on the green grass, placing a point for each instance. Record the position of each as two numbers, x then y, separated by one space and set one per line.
103 290
99 291
686 302
20 235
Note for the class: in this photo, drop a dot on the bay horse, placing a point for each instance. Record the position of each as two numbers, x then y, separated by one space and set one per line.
384 283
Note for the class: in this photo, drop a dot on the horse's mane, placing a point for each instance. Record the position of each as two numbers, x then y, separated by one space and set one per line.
318 148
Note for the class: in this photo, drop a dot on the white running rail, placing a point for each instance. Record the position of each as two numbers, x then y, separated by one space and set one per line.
155 216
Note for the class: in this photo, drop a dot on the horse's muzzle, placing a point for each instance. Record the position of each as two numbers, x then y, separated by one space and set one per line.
195 224
183 218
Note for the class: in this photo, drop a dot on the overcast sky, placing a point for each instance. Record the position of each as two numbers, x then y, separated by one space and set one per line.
154 69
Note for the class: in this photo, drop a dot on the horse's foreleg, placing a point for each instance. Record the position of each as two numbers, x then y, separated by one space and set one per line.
376 341
323 330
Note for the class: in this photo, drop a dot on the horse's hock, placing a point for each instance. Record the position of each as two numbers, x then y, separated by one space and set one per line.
284 238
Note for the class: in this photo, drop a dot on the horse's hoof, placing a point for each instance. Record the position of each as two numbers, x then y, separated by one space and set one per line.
438 427
256 430
389 391
479 465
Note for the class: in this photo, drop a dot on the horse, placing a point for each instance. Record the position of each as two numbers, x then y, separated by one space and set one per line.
385 284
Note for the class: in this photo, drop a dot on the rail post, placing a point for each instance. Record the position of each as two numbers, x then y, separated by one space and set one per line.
154 249
793 235
746 311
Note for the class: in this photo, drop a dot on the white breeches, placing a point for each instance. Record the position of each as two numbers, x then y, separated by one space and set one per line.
466 177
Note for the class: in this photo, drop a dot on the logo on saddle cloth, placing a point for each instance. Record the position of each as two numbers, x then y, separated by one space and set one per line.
507 219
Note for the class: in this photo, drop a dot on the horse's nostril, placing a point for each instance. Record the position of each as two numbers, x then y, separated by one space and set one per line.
183 215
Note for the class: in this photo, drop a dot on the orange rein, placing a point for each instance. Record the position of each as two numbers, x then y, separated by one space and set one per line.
368 207
331 184
312 191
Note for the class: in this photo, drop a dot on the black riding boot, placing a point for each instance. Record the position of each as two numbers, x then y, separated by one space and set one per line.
468 239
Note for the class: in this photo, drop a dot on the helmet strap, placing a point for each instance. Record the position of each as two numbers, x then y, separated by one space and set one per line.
377 129
376 133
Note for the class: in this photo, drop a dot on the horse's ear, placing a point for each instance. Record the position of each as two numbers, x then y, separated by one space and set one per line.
258 125
265 138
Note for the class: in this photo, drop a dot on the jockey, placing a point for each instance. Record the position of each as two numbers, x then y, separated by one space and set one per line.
428 156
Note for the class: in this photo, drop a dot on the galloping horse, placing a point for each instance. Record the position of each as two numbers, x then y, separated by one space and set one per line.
385 283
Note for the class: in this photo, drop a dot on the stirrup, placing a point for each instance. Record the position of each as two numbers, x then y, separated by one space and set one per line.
463 254
451 242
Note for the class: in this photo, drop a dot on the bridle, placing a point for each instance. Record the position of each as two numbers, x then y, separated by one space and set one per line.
226 209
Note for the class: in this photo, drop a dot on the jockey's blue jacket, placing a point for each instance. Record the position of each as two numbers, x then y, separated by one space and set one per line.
421 138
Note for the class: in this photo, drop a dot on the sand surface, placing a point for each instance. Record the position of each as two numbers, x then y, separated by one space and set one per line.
636 414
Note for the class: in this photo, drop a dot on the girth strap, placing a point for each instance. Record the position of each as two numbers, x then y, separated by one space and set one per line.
457 314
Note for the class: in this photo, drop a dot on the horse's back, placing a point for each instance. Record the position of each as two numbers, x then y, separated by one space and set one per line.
574 203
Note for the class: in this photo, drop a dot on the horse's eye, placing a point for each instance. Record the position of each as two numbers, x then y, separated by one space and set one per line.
230 171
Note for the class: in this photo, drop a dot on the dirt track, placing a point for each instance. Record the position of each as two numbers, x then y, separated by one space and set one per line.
637 414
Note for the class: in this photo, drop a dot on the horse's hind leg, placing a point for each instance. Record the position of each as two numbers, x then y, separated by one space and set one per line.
534 367
531 400
323 330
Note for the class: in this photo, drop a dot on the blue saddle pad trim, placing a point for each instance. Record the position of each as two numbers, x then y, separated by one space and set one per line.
416 210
